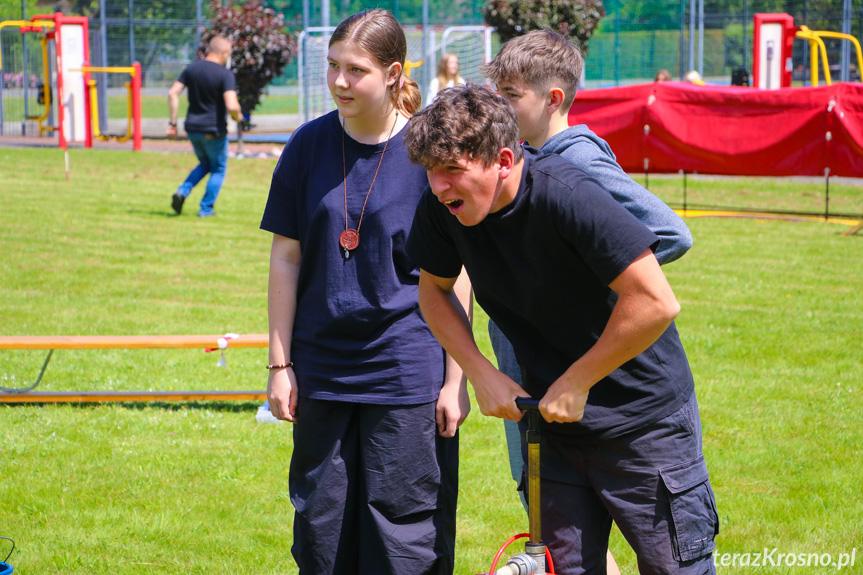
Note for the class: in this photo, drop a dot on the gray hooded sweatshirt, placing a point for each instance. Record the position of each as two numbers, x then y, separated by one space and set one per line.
593 155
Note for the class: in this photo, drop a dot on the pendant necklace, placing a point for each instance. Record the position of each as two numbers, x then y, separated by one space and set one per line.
350 238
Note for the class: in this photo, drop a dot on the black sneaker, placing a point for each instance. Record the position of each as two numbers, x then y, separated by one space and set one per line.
177 202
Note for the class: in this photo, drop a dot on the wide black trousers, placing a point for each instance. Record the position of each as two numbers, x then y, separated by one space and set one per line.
374 488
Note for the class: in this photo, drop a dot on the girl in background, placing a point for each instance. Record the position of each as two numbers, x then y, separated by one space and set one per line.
447 76
375 401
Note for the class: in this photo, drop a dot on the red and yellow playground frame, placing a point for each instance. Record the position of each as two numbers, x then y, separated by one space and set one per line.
72 84
773 40
133 108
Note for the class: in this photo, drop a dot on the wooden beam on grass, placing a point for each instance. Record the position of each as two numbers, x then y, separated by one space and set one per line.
51 343
130 396
129 341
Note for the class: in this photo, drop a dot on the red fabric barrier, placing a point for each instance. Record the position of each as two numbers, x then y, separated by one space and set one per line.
729 130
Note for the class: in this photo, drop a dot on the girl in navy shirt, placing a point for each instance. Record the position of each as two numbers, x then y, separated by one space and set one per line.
374 400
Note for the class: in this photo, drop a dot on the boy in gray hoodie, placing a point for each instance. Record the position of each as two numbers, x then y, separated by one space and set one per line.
538 74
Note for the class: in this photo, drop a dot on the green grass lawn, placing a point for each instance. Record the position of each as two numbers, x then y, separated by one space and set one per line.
772 322
795 195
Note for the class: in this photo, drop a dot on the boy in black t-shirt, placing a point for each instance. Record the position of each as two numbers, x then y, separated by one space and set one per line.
571 279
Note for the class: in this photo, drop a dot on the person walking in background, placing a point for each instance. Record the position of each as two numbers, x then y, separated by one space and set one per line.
212 96
375 402
447 76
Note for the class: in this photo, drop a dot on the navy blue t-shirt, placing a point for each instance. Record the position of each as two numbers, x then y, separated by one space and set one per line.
540 267
358 333
207 83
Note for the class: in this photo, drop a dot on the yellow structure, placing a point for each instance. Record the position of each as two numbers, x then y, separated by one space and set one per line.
818 48
40 24
94 111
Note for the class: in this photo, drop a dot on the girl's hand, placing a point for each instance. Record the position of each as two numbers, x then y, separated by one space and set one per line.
282 394
453 406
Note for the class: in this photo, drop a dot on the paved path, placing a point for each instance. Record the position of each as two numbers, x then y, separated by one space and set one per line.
270 135
250 149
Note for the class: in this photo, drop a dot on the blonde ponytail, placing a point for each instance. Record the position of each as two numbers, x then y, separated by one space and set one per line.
407 97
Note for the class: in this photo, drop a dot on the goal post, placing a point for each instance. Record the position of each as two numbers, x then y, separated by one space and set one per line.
472 45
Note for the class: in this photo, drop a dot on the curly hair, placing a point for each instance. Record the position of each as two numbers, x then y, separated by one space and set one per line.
468 119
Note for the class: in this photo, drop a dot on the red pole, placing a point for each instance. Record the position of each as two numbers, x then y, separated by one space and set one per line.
136 106
88 109
88 105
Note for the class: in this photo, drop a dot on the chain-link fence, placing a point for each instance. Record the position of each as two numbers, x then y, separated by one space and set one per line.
634 41
22 82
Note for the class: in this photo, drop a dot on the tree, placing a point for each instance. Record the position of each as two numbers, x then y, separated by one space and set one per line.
576 19
11 9
262 48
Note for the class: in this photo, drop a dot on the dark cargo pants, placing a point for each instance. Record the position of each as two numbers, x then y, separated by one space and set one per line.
652 483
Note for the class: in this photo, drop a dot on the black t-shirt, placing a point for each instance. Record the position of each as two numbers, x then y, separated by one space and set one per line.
358 332
207 83
540 268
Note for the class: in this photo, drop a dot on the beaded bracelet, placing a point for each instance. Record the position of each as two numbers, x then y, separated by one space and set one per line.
280 365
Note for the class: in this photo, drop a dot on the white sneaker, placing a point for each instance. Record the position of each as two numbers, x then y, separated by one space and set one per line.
264 415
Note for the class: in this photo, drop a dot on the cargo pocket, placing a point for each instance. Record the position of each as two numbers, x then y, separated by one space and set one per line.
694 522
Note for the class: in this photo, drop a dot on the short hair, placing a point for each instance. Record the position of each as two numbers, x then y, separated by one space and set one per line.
472 119
540 58
219 45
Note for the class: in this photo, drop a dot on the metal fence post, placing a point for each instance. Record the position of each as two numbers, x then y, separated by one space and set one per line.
617 45
701 37
806 45
102 88
745 23
25 81
428 53
682 49
132 30
198 23
846 45
691 63
303 46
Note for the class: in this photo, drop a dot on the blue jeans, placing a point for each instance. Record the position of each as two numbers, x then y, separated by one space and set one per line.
212 153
